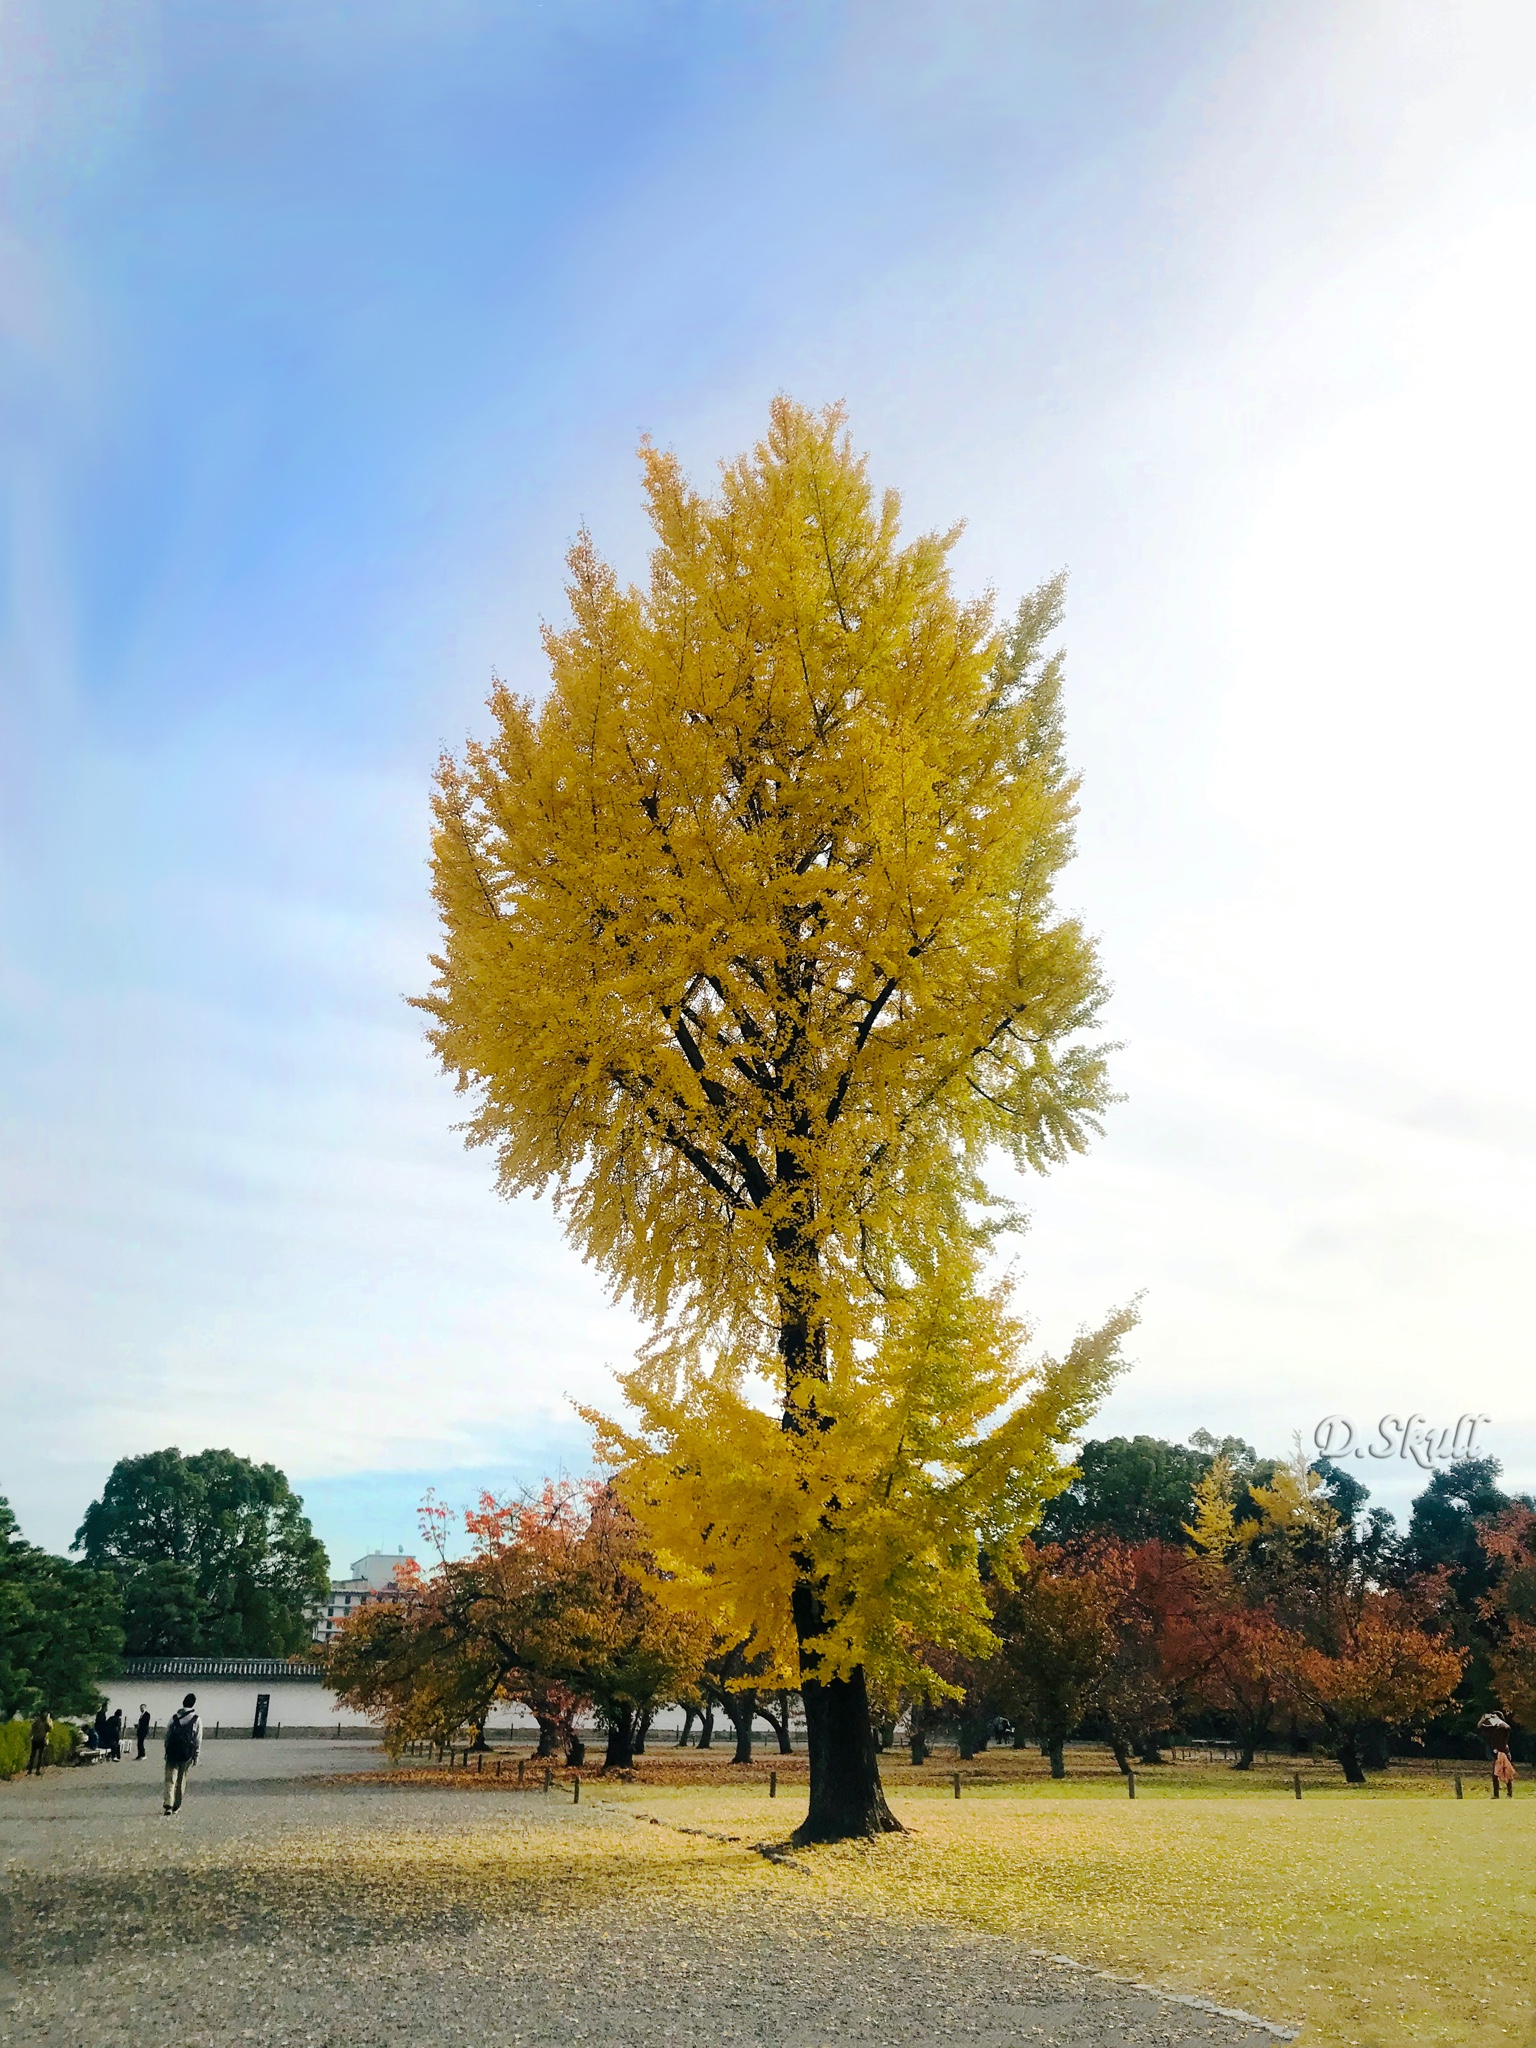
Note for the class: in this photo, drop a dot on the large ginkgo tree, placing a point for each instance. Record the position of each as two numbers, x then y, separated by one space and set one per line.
751 959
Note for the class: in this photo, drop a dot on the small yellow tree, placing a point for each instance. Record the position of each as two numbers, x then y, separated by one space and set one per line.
751 958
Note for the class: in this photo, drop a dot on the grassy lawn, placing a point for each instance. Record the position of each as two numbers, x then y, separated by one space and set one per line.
1396 1914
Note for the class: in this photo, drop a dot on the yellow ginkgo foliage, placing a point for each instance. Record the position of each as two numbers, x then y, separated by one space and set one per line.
750 959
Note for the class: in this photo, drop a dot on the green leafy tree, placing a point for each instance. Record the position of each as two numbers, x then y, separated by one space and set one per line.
1137 1488
60 1628
214 1555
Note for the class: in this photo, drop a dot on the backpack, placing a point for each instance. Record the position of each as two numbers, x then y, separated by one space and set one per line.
180 1737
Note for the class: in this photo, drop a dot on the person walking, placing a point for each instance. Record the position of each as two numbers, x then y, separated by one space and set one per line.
115 1736
141 1729
42 1724
183 1746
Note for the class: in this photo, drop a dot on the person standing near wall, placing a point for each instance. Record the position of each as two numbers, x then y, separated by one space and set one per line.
183 1746
141 1729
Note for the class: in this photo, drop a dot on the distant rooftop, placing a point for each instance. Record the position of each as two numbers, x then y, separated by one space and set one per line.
379 1567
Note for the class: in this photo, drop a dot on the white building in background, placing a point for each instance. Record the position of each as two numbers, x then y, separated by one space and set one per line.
374 1578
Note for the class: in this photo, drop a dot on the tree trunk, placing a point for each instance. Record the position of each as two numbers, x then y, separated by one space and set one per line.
620 1753
847 1801
1349 1761
549 1736
919 1747
786 1743
1245 1757
1054 1750
707 1728
742 1709
1150 1751
689 1717
1020 1739
846 1796
778 1721
1121 1755
642 1729
575 1751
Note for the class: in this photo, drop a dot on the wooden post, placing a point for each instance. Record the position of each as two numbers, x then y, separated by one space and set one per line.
1296 1781
1130 1783
957 1784
1459 1793
549 1777
773 1784
576 1792
479 1762
520 1764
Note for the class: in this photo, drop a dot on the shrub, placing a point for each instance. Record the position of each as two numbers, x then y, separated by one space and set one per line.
64 1739
15 1745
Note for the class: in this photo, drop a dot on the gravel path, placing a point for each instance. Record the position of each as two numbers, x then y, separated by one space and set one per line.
285 1906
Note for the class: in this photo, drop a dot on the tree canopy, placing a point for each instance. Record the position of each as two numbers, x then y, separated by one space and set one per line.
1136 1488
750 958
213 1554
60 1628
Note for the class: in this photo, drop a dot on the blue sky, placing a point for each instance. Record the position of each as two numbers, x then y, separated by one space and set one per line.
325 326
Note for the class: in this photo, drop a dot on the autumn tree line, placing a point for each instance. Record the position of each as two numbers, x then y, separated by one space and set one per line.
1170 1591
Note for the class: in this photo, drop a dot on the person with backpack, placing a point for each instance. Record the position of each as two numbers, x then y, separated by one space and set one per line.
183 1746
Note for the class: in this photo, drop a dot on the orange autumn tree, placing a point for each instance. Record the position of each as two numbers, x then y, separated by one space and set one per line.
750 959
553 1606
1509 1609
1349 1656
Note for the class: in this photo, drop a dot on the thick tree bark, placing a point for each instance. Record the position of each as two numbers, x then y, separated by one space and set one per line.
707 1728
620 1753
1121 1755
1020 1739
549 1736
689 1717
847 1800
1245 1758
575 1751
1054 1750
642 1729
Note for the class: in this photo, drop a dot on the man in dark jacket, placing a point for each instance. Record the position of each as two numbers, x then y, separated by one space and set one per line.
141 1729
183 1746
115 1735
41 1728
